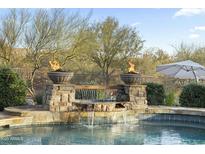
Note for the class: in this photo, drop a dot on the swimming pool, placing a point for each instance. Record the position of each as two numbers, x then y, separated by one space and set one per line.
157 133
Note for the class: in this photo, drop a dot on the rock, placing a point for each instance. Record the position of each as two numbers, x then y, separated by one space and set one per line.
30 101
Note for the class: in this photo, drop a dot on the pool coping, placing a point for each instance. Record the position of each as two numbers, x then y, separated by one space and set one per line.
17 116
176 110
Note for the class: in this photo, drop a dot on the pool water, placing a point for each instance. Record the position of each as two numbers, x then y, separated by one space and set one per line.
123 134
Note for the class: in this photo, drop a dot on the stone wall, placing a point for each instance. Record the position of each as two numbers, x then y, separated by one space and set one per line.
59 97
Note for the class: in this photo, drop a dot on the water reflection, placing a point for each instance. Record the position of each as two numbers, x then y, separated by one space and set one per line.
142 133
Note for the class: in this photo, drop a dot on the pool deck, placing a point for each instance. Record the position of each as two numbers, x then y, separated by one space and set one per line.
18 116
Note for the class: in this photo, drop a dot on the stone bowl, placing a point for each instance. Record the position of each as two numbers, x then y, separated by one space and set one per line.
60 77
131 78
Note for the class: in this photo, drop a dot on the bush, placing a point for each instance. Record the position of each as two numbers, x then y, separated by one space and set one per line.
155 94
193 95
12 89
170 98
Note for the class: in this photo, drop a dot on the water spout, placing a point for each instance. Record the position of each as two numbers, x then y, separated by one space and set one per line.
79 117
90 118
125 117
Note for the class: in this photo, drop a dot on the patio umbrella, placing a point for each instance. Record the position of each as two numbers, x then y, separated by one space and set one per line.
183 70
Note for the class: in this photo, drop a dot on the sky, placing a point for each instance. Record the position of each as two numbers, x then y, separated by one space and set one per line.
160 28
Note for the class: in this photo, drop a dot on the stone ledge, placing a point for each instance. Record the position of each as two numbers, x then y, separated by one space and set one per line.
16 121
176 110
30 116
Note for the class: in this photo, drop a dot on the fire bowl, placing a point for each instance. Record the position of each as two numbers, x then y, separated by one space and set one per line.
130 78
60 77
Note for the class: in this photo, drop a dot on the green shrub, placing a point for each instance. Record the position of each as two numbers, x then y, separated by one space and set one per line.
193 95
101 94
170 98
12 89
155 94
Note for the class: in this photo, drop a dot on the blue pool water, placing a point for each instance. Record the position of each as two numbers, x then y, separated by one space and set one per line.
132 134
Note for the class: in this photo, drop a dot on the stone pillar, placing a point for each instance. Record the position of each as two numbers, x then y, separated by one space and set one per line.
134 96
59 97
137 96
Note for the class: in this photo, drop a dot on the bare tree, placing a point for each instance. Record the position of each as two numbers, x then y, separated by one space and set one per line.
51 34
184 51
11 30
190 51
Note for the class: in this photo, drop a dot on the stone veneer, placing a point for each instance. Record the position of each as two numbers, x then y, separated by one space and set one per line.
59 97
29 116
133 95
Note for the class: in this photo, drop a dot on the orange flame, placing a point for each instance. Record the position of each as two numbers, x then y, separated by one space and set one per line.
55 65
131 69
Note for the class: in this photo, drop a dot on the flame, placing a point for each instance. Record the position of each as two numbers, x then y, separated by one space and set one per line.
55 65
131 69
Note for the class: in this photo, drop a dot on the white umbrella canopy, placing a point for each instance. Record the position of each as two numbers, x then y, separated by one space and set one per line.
183 70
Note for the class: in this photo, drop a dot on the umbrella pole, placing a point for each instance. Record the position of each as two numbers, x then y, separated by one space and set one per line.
196 79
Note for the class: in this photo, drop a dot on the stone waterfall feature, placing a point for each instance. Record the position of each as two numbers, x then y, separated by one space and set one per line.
61 98
63 107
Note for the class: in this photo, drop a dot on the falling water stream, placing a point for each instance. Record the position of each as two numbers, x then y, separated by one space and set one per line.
125 117
91 116
90 119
